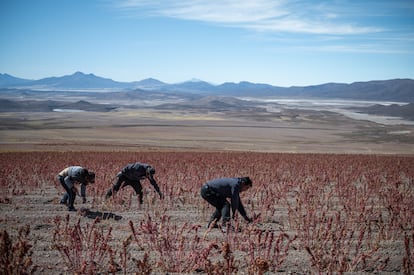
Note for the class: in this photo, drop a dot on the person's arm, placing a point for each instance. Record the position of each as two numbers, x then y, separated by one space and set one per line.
242 212
235 201
155 185
236 204
83 192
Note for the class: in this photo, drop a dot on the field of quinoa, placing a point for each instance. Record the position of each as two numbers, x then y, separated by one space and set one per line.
313 213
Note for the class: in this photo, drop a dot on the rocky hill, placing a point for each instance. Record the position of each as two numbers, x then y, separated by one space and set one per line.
404 111
7 105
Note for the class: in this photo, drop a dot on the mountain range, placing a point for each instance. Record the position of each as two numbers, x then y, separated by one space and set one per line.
401 90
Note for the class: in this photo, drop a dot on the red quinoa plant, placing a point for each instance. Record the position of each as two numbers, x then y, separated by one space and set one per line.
15 254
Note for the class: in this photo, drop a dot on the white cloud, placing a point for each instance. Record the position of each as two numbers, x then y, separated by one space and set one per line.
260 15
229 11
311 27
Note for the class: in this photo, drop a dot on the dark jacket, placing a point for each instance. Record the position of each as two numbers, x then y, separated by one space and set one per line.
229 188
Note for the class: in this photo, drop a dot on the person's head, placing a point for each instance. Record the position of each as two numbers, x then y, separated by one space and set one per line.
150 171
90 177
246 183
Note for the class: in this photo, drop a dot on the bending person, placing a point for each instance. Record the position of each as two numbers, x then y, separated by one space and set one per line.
68 177
216 192
132 174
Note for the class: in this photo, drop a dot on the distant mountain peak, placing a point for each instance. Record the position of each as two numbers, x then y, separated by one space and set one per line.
82 74
9 80
195 80
150 80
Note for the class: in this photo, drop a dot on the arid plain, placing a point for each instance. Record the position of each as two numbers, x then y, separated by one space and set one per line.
293 131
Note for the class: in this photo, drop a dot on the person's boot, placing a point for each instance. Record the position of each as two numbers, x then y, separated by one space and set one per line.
212 224
71 208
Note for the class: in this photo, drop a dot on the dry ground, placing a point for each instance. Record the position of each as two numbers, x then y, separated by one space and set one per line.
41 209
275 191
289 131
135 131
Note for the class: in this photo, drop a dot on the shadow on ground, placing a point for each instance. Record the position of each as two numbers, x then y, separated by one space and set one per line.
101 215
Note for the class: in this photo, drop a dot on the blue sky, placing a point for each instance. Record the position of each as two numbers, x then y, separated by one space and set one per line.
279 42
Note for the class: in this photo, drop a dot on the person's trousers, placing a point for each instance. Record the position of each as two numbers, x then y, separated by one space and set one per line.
69 195
65 196
124 181
219 202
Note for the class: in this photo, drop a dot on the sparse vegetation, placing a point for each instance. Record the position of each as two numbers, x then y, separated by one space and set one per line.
16 252
315 213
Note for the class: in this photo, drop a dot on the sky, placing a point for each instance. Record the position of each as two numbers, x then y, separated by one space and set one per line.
278 42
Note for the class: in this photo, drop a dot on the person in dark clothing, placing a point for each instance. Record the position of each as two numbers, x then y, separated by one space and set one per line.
68 177
216 192
131 175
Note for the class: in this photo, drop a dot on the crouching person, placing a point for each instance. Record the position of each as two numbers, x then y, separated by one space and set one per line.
216 192
68 177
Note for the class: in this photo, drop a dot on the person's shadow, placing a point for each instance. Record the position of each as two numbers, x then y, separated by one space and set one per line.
101 215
